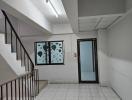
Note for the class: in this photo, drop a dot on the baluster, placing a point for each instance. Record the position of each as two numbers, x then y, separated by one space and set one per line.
32 87
1 92
28 86
24 60
11 91
28 63
25 88
38 79
19 89
16 49
11 42
34 83
37 82
6 91
5 30
15 91
22 87
32 66
21 54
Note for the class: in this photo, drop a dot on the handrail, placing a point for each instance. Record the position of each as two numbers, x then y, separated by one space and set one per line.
26 84
8 81
6 17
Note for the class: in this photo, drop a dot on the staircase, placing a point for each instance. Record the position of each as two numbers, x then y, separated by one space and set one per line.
15 49
26 84
15 54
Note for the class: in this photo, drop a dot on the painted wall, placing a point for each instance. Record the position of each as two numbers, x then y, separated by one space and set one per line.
71 8
103 57
6 72
100 7
13 20
67 73
62 28
128 4
120 57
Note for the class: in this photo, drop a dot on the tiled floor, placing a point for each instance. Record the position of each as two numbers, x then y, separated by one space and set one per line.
76 92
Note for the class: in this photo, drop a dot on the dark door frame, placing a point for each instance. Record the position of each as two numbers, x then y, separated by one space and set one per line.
95 59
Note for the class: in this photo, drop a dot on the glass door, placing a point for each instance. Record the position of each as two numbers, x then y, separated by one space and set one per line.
87 61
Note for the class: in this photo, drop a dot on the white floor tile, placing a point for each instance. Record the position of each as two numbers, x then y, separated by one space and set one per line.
76 92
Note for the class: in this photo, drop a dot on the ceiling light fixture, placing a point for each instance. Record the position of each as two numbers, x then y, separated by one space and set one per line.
51 6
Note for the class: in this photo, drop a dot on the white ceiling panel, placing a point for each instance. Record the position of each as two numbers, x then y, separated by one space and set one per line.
88 24
43 7
96 22
88 20
107 21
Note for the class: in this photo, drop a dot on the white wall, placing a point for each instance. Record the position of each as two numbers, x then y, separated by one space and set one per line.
6 72
120 57
103 57
62 28
67 73
128 4
25 29
71 8
13 20
100 7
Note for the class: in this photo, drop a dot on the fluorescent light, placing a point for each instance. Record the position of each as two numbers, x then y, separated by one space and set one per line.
52 8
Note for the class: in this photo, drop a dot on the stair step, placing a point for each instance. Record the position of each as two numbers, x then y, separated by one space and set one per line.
42 84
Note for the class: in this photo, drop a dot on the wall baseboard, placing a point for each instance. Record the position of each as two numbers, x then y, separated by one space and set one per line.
105 84
62 82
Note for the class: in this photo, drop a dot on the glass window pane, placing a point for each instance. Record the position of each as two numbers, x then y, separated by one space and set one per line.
56 52
42 56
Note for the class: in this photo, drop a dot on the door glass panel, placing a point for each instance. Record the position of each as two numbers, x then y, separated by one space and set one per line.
86 61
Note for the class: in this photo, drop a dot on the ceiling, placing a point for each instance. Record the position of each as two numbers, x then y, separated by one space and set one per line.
69 12
91 23
75 15
43 7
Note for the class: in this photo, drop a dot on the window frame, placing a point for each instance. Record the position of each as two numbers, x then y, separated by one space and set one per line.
49 52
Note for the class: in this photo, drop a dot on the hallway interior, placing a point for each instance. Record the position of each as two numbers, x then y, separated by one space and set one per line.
77 92
39 49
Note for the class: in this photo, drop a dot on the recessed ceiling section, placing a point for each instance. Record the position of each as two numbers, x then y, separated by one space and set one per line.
55 21
100 7
43 6
105 22
96 22
87 24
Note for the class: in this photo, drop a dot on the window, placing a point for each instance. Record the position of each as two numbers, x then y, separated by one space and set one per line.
49 53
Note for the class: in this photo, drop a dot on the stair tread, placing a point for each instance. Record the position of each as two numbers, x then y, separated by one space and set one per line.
42 84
